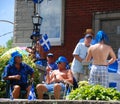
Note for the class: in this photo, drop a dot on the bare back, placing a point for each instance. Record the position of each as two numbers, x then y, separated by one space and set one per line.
100 52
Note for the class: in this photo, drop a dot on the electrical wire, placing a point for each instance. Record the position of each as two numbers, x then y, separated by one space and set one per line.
6 33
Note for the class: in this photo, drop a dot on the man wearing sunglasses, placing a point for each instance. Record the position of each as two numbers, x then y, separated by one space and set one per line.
56 80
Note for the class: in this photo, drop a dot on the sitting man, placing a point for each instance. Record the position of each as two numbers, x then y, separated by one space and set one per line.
17 72
56 80
51 65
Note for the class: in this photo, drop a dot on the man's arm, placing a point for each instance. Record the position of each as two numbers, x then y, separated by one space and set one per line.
12 77
70 77
49 77
32 77
78 58
112 55
76 52
89 55
6 75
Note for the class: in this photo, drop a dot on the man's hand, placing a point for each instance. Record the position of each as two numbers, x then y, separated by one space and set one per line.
17 77
31 80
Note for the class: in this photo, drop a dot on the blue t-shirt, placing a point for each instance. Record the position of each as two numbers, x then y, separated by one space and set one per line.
24 71
53 66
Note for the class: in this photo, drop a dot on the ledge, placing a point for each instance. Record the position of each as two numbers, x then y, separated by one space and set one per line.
25 101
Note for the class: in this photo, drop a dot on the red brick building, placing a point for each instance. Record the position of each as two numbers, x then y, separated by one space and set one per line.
95 14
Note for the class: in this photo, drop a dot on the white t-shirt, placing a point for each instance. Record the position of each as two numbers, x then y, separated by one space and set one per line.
80 50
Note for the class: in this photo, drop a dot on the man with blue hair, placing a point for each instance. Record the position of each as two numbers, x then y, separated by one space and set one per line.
17 73
100 53
56 80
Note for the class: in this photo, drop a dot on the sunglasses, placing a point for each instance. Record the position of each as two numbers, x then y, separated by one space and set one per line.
90 37
59 63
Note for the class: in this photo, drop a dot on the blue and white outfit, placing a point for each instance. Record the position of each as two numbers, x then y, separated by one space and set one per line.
77 67
53 66
24 71
99 75
11 70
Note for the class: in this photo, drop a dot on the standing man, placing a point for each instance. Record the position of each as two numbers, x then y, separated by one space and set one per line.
79 55
89 31
100 53
17 73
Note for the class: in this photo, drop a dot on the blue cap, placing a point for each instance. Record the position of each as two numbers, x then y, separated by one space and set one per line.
62 59
13 55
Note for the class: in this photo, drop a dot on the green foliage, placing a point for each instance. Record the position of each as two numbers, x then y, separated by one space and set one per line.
9 43
3 62
2 50
82 83
93 92
29 61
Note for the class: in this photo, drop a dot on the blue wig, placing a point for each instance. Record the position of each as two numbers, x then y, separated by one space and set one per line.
13 55
101 36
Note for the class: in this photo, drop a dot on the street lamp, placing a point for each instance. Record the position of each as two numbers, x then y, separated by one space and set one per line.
37 21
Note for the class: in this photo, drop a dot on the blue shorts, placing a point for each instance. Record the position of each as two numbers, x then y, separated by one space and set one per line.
50 87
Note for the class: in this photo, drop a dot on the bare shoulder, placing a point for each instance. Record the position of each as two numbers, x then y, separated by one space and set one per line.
55 71
92 46
69 71
108 47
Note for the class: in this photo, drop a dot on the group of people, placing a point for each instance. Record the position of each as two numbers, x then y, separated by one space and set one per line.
57 73
98 53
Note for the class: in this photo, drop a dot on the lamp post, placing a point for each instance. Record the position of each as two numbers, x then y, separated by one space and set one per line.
37 21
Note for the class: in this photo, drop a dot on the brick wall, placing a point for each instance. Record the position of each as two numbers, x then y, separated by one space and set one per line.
78 17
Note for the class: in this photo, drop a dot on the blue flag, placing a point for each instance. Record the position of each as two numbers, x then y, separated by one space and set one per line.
11 95
37 1
45 43
32 95
113 68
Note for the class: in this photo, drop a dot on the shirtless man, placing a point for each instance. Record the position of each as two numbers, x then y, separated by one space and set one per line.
100 52
56 80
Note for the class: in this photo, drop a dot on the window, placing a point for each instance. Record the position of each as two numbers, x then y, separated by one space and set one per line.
52 12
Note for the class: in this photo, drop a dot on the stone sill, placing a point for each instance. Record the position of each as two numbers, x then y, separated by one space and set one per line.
26 101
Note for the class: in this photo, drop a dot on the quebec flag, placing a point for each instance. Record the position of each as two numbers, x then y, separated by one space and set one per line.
45 43
37 1
32 95
11 95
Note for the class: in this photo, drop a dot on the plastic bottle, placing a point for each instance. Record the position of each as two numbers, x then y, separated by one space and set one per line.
119 61
119 54
11 95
